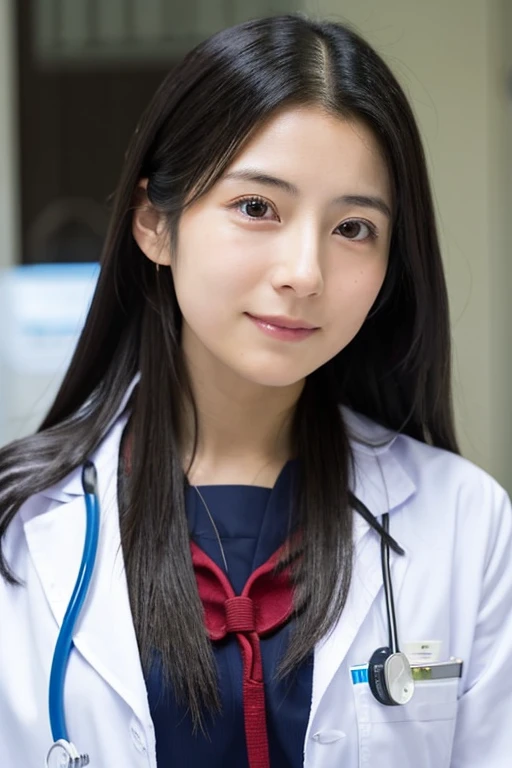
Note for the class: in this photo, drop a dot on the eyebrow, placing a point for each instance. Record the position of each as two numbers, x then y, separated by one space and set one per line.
364 201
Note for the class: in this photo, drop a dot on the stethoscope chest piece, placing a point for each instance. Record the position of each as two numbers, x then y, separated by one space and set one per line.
390 677
62 754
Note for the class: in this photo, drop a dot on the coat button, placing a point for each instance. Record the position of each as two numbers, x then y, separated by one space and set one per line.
328 737
137 740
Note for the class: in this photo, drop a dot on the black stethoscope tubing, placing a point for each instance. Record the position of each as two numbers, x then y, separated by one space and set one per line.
62 749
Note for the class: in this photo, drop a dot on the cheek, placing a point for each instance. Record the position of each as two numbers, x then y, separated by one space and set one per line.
367 286
355 296
211 280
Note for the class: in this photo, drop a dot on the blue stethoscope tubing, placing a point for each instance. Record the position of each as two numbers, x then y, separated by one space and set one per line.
85 573
63 752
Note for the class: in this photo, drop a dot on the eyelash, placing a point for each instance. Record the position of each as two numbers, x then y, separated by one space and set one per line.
373 234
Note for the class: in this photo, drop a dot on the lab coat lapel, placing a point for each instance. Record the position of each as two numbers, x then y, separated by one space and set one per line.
370 469
104 634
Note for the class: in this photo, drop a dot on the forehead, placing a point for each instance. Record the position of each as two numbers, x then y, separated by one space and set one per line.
317 149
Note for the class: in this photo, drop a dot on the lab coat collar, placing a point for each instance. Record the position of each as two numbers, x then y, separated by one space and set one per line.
366 435
71 485
105 635
367 438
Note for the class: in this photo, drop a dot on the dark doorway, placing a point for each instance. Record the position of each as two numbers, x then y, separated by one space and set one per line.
75 124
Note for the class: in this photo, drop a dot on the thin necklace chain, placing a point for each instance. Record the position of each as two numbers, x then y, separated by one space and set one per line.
214 528
213 521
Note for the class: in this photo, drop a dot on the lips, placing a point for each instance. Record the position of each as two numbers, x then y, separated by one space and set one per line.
280 321
283 329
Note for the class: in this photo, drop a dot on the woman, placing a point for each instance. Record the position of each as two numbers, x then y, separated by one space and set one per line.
263 389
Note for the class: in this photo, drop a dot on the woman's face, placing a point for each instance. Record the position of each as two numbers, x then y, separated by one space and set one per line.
295 233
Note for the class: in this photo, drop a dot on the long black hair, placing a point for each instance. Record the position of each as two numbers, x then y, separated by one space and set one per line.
396 370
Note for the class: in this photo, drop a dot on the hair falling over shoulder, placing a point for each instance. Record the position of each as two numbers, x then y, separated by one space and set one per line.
396 370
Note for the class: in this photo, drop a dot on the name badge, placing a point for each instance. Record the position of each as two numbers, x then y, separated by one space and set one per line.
438 670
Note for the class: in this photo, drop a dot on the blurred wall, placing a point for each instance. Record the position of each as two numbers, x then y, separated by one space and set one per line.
450 56
9 189
500 204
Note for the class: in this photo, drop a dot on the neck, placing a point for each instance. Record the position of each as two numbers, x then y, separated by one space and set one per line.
244 429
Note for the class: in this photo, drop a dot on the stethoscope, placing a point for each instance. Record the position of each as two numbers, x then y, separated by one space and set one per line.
389 672
63 753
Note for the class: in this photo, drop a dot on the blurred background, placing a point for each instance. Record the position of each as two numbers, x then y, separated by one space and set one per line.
75 76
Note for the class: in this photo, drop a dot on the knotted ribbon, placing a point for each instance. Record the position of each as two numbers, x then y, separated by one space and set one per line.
266 603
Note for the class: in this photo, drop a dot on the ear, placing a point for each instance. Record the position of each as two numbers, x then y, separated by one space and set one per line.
149 228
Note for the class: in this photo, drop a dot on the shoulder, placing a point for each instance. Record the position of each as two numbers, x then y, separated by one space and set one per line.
444 488
56 514
104 455
448 477
105 458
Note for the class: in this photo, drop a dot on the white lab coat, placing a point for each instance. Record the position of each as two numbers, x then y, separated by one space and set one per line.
454 585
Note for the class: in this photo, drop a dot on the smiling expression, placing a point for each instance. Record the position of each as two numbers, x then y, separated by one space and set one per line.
280 262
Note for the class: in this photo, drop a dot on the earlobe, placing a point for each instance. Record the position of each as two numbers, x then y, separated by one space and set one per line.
149 228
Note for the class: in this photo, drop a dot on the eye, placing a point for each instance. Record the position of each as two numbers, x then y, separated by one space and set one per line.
356 229
253 207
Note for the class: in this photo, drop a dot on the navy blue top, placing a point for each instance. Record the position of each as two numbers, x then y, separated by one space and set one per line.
252 522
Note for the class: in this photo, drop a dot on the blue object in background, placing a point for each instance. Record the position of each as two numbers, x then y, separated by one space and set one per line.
42 311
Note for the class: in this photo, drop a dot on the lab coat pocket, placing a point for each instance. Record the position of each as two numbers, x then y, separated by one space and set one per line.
419 733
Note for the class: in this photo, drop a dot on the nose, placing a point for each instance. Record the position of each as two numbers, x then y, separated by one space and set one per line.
299 264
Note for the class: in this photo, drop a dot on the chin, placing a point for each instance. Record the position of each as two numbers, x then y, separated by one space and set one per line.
273 376
278 381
